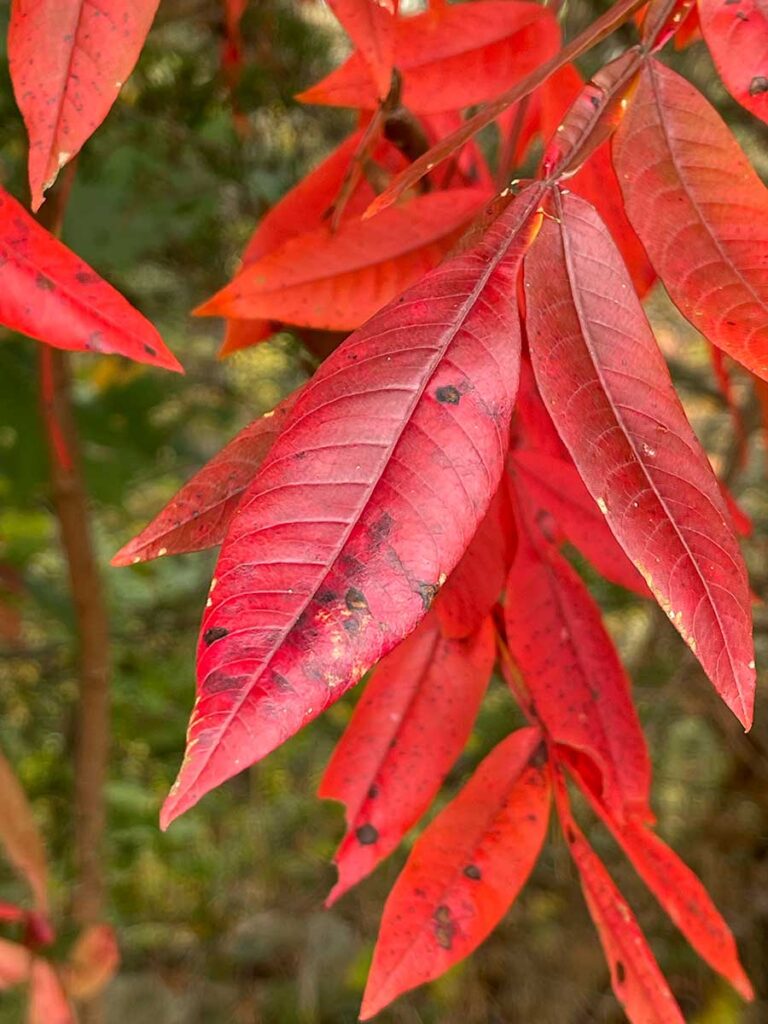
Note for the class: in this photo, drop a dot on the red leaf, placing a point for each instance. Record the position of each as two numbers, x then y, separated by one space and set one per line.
572 672
599 29
555 485
700 210
637 981
92 962
681 895
68 62
20 837
410 726
48 1002
197 517
303 208
50 294
474 586
331 560
608 390
464 872
371 27
737 36
15 964
337 280
451 57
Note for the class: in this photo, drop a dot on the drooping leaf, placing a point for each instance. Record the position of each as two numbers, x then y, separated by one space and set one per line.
337 280
305 207
681 895
700 210
68 62
608 390
371 27
599 29
408 729
464 872
197 517
475 584
571 670
50 294
20 837
92 962
737 37
342 540
637 982
451 57
48 1002
555 485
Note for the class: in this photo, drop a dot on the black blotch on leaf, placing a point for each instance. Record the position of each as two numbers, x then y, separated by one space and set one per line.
373 792
594 101
355 600
448 394
621 973
214 633
325 596
427 593
149 350
473 871
570 835
44 283
367 834
444 926
539 756
758 85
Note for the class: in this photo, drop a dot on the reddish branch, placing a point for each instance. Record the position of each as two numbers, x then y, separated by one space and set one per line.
70 503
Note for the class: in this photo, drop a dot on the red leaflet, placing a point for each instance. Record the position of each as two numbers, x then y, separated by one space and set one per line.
371 27
198 515
48 1003
737 36
337 280
700 210
608 390
15 963
572 672
593 34
475 584
342 540
92 962
50 294
451 57
464 871
555 485
19 836
303 208
408 729
68 62
637 981
682 896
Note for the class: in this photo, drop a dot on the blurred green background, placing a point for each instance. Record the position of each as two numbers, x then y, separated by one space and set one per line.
221 919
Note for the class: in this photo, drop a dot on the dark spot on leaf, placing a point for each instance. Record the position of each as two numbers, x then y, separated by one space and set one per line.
281 683
373 792
621 973
595 102
444 926
570 835
427 592
214 633
741 16
448 394
86 277
758 85
351 567
382 528
149 350
473 871
325 596
539 756
44 283
355 600
352 626
367 834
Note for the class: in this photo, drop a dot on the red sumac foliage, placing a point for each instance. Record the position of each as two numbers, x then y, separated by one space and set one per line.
501 393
